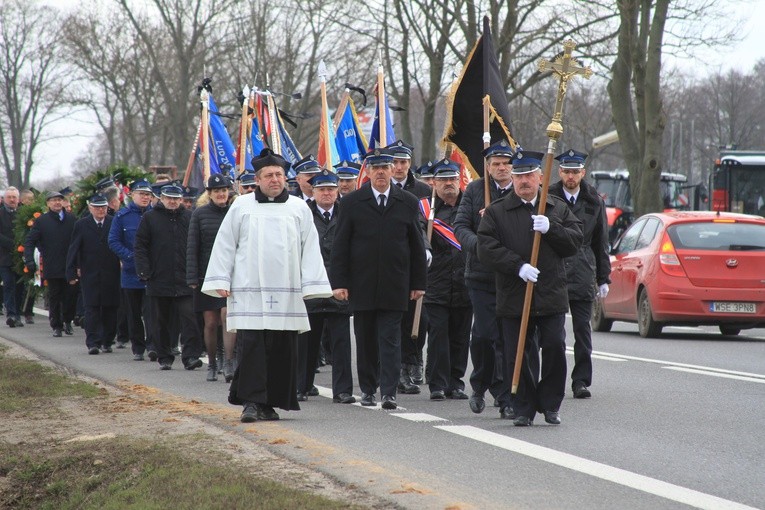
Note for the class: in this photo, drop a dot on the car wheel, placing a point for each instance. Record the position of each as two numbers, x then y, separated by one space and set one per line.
647 327
598 321
730 330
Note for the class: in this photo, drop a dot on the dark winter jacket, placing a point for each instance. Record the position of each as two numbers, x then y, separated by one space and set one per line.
417 188
160 251
122 242
505 238
591 265
326 238
205 223
50 235
446 274
98 266
465 225
7 236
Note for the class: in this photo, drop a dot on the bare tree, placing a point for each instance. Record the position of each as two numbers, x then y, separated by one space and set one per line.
33 84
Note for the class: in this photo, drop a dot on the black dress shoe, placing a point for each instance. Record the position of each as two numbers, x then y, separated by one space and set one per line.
389 402
176 352
68 328
10 322
344 398
437 395
249 413
415 372
192 363
477 403
166 366
581 391
506 413
266 413
137 357
93 350
121 344
29 319
152 355
107 349
552 417
458 394
17 323
523 421
368 400
313 392
405 384
57 332
301 397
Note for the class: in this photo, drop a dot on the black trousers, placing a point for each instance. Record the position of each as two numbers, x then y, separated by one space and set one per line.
378 350
487 348
62 299
448 341
170 310
338 327
411 350
267 371
123 329
138 312
581 312
100 325
537 392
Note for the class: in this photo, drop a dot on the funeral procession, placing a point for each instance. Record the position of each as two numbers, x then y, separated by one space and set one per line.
405 254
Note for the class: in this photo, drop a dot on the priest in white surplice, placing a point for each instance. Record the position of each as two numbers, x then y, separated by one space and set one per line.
266 260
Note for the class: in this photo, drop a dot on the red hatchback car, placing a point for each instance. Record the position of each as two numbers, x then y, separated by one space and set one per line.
687 268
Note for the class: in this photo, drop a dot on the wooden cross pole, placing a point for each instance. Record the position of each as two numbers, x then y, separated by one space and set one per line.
243 129
205 139
565 68
324 118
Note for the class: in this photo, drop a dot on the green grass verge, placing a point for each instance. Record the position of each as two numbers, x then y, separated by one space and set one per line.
23 380
127 474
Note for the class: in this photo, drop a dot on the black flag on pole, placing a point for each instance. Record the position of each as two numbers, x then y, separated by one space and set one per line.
464 119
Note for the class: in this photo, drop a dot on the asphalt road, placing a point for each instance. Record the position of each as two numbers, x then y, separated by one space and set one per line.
675 422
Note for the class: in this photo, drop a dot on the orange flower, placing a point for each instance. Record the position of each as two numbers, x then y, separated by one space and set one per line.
30 223
37 214
20 249
26 269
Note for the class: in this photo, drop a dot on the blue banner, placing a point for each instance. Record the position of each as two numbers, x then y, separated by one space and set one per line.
222 150
289 150
390 137
351 145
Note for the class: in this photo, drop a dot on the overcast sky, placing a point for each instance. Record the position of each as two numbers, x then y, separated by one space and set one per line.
56 157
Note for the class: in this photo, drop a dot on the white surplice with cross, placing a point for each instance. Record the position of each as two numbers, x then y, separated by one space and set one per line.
267 255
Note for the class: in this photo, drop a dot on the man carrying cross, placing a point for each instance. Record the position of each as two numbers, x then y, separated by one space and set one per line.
266 260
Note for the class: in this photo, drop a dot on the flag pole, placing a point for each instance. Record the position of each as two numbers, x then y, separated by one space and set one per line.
382 121
341 109
418 306
486 143
205 98
565 68
243 128
325 117
192 156
276 144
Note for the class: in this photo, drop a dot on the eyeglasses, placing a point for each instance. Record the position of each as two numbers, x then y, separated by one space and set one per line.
249 186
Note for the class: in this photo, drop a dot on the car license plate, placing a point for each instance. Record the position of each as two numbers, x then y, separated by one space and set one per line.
732 307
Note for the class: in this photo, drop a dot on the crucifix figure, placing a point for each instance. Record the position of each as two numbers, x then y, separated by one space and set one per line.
271 301
564 67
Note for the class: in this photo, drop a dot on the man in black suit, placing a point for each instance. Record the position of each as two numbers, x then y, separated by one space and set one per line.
97 268
51 233
378 263
305 170
12 291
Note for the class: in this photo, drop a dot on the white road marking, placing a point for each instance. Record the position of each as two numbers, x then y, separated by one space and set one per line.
418 417
603 471
716 374
570 350
684 365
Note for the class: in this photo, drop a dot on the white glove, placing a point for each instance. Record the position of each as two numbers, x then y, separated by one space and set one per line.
603 291
541 223
528 273
428 257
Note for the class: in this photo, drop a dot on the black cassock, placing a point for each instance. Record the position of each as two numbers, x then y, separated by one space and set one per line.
270 375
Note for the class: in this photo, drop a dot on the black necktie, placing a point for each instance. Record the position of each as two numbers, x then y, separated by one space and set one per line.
529 206
308 201
503 191
100 225
572 201
399 185
326 216
382 202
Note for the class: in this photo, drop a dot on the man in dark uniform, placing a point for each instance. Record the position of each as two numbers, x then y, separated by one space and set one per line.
411 350
425 173
305 169
326 311
51 233
486 349
378 263
348 175
246 182
160 261
190 194
505 238
587 272
97 268
446 298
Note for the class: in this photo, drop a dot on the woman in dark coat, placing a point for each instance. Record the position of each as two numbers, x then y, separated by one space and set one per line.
204 226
